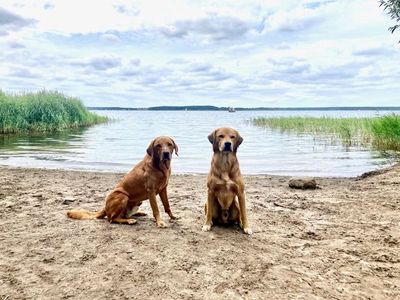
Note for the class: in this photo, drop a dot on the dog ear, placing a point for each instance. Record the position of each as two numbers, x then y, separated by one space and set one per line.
175 147
239 140
150 148
212 137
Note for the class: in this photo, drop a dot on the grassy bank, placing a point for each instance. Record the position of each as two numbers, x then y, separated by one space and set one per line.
43 111
382 132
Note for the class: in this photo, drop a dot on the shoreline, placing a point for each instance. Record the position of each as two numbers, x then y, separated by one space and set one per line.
339 241
375 171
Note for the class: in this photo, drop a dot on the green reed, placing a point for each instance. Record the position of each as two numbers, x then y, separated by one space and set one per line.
382 132
386 132
43 111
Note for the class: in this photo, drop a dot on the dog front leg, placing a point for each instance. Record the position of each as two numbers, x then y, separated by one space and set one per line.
243 213
156 212
209 212
165 202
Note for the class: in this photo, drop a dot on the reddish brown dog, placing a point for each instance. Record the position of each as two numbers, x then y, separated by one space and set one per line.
225 182
146 180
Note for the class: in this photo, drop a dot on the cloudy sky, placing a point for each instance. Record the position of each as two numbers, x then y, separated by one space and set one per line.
224 53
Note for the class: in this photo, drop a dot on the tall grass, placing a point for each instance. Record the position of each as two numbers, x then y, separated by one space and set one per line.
382 132
43 111
386 132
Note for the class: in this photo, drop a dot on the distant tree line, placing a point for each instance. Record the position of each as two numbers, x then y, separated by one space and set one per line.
216 108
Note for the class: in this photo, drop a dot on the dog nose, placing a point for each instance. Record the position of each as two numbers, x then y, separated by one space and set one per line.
227 146
165 155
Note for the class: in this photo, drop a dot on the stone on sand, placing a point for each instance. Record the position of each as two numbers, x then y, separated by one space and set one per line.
303 183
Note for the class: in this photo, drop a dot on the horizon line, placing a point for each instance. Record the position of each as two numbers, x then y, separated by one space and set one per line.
212 107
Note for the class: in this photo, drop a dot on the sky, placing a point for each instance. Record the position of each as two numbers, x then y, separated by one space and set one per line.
240 53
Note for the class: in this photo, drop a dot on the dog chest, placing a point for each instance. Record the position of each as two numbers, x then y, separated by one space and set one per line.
225 197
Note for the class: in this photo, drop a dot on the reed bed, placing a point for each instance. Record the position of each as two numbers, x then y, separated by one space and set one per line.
382 132
43 111
386 132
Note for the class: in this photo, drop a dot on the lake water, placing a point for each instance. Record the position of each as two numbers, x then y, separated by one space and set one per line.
118 145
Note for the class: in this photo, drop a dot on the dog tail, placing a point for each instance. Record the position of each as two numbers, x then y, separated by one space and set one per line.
86 215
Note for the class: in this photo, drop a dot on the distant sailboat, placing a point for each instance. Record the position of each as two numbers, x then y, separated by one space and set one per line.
231 109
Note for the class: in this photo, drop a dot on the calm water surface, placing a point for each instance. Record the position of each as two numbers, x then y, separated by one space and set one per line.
118 145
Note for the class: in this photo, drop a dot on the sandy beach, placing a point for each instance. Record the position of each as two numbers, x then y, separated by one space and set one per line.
341 241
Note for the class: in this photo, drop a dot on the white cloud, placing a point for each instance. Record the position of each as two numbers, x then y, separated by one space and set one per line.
295 20
109 37
15 44
10 21
212 27
99 63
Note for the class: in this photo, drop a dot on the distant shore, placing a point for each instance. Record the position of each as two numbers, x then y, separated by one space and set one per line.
216 108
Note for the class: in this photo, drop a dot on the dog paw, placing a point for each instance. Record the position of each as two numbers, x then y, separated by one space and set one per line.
131 221
161 224
172 217
140 214
248 230
206 227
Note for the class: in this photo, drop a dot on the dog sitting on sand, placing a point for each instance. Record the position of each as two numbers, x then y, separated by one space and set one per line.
146 180
225 198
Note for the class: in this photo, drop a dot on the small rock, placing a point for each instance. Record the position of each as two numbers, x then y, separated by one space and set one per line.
68 200
40 196
303 183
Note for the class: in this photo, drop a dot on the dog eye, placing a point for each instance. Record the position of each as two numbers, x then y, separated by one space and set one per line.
169 144
221 136
232 137
158 146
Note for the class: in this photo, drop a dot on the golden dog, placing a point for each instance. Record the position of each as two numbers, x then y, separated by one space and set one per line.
225 182
146 180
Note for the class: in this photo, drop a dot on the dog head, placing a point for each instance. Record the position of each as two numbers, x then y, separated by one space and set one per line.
161 148
225 140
